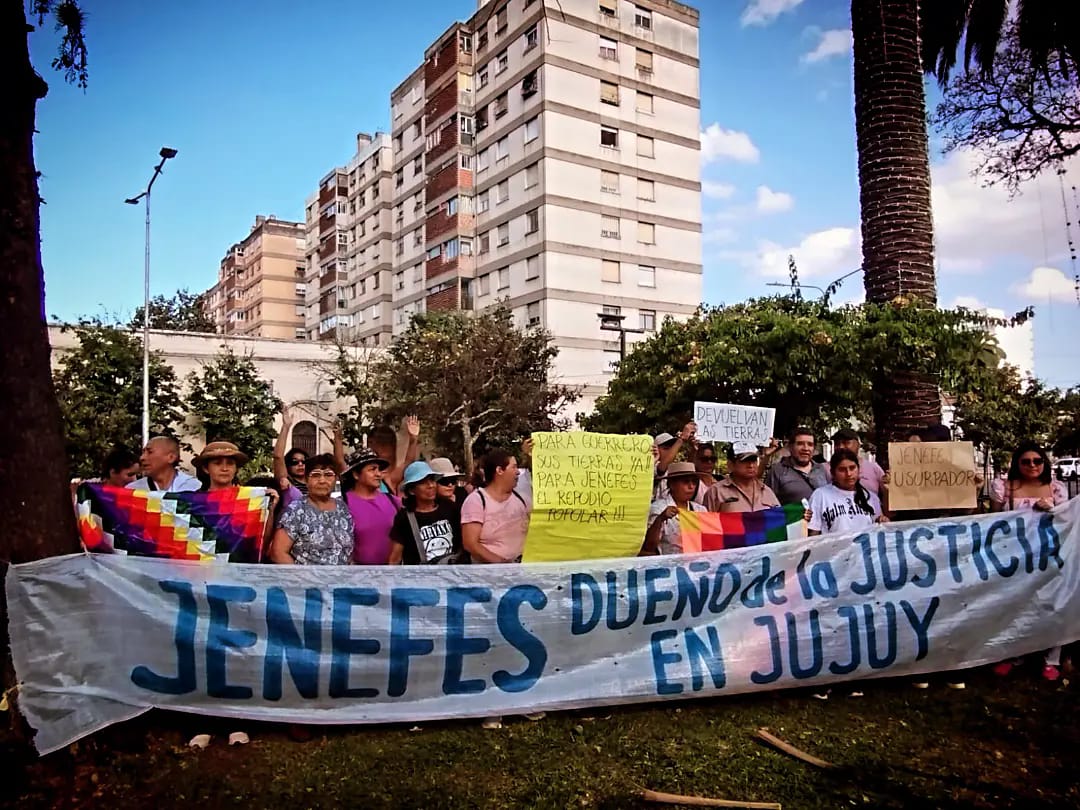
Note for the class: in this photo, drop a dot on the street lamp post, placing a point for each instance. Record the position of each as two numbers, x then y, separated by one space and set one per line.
165 153
613 323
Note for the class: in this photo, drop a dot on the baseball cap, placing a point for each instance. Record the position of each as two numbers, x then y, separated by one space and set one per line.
740 451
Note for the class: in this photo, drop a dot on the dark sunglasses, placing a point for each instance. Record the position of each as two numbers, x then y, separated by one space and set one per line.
447 482
296 462
707 458
1031 462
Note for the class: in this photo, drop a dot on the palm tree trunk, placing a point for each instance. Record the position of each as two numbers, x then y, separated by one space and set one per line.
894 192
34 496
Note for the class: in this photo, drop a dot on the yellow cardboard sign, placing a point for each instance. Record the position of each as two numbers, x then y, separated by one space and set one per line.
591 495
931 475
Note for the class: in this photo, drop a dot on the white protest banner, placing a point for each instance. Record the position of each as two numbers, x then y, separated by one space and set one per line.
717 422
101 638
931 475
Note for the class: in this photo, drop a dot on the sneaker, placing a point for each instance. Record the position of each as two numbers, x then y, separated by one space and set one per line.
1004 668
199 741
820 696
536 716
957 685
1051 673
239 738
492 723
921 684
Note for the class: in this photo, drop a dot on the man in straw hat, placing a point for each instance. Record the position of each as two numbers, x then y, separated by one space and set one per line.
664 535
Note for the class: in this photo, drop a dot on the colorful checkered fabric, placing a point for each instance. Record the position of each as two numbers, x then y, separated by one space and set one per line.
714 531
177 525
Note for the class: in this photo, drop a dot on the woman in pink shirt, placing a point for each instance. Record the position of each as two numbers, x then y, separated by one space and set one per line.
372 509
495 517
1029 485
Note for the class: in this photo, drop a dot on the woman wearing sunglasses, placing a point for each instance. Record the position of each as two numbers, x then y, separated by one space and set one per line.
290 469
1029 485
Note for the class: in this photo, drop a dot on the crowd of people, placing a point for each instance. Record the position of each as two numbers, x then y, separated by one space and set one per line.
384 505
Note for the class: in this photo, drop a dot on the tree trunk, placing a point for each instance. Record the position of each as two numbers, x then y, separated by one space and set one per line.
894 192
34 495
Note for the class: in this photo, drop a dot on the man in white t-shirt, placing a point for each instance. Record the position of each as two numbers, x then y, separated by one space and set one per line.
158 461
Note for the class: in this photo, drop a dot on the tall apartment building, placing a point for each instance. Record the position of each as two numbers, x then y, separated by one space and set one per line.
260 287
347 251
546 154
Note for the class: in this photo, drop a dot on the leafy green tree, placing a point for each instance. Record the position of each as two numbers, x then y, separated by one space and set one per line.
183 312
99 388
475 381
231 402
1067 431
813 364
352 375
1005 410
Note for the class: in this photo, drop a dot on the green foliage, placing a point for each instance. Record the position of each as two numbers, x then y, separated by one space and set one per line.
99 388
233 403
475 382
813 364
1005 410
1067 430
352 375
181 313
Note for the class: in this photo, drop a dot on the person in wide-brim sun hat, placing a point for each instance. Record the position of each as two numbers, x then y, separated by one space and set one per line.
220 450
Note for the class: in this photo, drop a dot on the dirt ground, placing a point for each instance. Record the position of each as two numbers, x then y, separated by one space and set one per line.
998 743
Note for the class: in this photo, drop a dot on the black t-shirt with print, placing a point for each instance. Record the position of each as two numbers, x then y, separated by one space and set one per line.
440 533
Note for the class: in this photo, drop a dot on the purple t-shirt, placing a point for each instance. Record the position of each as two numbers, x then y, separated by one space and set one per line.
372 519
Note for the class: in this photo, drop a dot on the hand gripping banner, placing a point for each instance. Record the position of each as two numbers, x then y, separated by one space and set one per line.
100 638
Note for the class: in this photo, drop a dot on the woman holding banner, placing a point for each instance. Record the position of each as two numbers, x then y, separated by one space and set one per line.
1029 485
664 535
845 505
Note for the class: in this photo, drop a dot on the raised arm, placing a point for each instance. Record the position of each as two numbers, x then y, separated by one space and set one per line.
281 445
411 427
339 447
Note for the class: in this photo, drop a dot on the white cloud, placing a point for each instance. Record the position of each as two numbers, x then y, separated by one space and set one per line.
1046 284
773 202
719 236
718 143
824 254
976 226
763 12
834 42
718 191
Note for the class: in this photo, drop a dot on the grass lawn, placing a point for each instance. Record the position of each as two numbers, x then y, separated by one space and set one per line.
999 743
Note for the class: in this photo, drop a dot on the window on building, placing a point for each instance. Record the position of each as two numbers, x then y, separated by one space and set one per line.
502 192
646 147
500 19
465 161
502 62
416 94
646 276
418 166
609 137
481 119
485 242
465 124
398 141
532 38
504 278
609 93
482 40
465 43
609 49
483 284
532 129
434 252
399 246
609 8
646 233
417 130
451 206
399 177
532 221
418 202
611 361
501 105
482 160
482 202
530 84
482 78
644 103
502 148
300 310
609 227
466 245
644 60
399 212
609 182
532 314
504 234
399 281
532 268
375 284
418 237
418 274
450 249
532 175
646 190
643 18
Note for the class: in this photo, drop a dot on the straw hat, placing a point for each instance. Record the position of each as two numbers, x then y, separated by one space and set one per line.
680 469
221 450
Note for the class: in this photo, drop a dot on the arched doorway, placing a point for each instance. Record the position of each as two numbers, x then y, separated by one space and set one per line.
303 437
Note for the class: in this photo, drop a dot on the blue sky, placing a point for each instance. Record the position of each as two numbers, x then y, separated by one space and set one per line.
263 98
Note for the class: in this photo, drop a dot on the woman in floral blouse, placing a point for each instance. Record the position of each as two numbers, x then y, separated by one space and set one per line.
317 529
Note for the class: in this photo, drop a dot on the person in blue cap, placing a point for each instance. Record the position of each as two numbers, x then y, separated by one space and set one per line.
427 531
